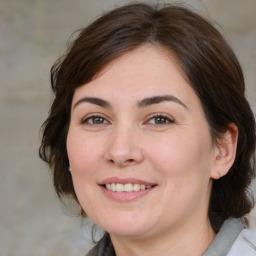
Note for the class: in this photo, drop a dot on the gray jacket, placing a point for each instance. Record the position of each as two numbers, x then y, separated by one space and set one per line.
231 240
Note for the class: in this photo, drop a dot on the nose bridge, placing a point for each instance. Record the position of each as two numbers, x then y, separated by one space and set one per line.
124 148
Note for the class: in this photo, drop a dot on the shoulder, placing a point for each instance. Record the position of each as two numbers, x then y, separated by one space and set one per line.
103 248
93 251
245 244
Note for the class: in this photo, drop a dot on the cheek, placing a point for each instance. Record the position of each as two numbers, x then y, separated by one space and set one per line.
184 166
172 153
84 160
82 153
184 160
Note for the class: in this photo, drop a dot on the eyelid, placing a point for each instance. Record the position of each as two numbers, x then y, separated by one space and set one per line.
84 120
94 115
170 119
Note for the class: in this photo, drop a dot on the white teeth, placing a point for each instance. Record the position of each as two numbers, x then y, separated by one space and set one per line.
119 187
126 187
136 187
113 187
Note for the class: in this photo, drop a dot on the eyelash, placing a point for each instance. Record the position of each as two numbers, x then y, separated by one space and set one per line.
167 119
94 117
92 120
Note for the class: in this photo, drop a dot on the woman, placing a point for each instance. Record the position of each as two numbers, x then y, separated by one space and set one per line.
150 119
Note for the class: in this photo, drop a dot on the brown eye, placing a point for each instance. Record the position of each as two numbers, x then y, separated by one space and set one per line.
94 120
160 120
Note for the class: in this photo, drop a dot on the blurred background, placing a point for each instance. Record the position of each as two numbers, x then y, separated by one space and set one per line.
33 33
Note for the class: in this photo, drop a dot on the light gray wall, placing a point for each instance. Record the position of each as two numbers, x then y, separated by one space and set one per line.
33 33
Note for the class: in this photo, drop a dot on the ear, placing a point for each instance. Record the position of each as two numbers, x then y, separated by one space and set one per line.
225 152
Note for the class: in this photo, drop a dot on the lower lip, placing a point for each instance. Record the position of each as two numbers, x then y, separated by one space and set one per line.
126 196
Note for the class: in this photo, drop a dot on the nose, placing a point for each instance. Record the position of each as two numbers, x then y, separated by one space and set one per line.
124 148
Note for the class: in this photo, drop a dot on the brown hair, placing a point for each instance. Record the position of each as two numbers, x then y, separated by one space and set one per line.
209 64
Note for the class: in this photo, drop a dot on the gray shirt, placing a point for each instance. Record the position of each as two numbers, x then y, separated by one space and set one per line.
225 238
230 236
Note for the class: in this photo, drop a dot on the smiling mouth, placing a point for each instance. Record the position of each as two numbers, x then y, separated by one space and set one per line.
128 187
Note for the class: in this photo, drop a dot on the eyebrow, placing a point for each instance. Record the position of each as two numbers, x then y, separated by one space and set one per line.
158 99
96 101
141 104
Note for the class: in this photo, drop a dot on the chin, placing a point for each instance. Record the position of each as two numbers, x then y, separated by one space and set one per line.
127 232
133 228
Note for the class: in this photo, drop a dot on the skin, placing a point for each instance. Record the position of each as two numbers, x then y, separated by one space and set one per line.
127 139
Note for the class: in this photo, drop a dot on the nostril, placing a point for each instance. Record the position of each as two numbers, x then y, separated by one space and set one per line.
120 162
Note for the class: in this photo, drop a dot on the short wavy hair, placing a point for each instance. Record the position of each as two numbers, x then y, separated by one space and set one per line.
210 67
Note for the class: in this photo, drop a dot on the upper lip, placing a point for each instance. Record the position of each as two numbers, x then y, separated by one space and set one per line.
126 181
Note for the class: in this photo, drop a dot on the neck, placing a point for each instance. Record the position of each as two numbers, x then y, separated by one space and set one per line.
193 240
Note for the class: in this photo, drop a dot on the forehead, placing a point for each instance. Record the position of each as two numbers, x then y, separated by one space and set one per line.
142 59
144 72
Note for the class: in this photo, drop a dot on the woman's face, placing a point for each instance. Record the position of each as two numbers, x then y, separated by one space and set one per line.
140 129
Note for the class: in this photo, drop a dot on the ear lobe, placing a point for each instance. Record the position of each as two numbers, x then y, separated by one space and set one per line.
226 152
